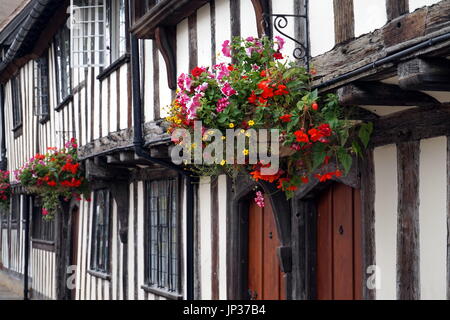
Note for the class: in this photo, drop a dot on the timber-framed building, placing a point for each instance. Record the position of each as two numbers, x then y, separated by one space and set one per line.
150 231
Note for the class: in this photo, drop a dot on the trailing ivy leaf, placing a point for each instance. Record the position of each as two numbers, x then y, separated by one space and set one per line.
365 132
357 148
344 137
290 73
293 123
319 155
345 159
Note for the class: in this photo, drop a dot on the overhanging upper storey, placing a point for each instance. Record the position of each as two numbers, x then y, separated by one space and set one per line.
150 14
27 35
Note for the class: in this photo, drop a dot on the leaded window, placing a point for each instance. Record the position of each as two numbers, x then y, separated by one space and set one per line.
41 89
88 25
63 68
16 101
99 32
101 231
15 209
117 29
162 238
42 229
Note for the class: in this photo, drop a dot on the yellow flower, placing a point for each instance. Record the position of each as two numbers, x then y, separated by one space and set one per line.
223 162
223 137
245 152
193 146
242 131
251 123
248 135
231 125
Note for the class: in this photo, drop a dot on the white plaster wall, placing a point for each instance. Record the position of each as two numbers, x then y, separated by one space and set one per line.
204 201
204 36
321 17
433 218
248 19
386 198
222 196
369 15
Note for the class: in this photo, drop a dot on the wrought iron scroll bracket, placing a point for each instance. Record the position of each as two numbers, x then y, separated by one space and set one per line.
281 22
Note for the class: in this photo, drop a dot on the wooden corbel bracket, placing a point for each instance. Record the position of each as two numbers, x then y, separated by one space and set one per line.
165 40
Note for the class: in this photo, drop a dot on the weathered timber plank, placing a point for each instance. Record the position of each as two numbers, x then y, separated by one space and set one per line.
368 218
408 263
398 34
430 74
396 8
409 125
382 94
344 20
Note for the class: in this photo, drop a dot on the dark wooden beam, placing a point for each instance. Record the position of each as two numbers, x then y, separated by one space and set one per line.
165 13
262 10
367 175
408 284
382 94
431 74
100 171
165 40
401 33
344 20
409 125
396 8
448 217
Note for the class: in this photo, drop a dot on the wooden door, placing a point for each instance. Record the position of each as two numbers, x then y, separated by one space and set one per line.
265 279
339 255
74 246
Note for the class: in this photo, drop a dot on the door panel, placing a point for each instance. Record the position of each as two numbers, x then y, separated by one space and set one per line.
74 246
339 268
265 279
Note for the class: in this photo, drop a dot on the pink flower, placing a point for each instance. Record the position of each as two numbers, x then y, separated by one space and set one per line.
228 90
223 71
184 82
44 212
193 105
222 104
280 42
226 49
259 199
250 39
202 87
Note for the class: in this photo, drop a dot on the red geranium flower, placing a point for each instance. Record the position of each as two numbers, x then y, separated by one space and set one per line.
301 136
252 98
282 90
197 71
286 118
278 55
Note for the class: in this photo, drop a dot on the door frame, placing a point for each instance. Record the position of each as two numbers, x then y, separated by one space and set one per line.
304 226
239 195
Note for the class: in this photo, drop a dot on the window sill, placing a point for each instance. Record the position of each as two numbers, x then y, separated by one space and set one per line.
64 103
100 275
43 245
44 119
114 67
162 292
17 130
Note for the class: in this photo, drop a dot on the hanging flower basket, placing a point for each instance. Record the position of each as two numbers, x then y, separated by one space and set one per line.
261 90
5 190
53 176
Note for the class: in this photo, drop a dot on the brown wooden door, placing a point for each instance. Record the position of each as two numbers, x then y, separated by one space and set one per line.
265 279
74 246
339 265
